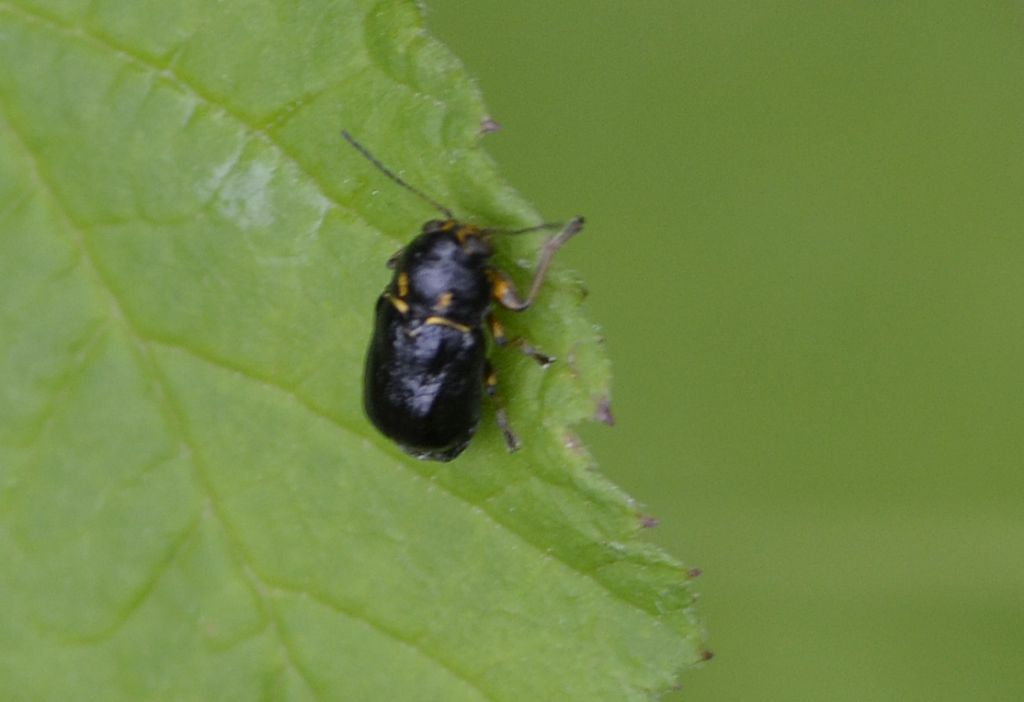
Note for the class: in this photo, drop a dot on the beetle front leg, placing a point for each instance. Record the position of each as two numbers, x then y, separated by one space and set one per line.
501 339
393 261
500 413
504 290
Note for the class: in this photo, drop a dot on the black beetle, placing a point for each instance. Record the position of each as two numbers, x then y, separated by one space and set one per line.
427 365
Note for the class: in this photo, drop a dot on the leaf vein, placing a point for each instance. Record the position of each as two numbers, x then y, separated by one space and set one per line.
146 363
484 507
184 86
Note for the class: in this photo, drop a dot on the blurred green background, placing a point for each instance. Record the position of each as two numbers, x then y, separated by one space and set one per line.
805 247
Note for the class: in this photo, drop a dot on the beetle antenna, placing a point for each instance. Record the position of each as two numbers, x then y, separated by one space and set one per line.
390 174
525 230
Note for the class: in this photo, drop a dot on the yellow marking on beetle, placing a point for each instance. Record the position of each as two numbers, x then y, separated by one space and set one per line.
443 302
398 303
465 231
403 284
491 380
497 330
445 322
448 225
500 289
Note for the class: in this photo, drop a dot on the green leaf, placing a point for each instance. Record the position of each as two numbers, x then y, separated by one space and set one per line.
192 505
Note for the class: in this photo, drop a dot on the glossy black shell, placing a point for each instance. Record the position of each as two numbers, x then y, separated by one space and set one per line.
425 367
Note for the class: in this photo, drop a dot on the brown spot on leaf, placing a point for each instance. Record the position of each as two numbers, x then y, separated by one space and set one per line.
489 126
603 412
648 522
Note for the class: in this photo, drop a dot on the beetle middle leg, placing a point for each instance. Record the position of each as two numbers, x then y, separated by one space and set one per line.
500 413
501 339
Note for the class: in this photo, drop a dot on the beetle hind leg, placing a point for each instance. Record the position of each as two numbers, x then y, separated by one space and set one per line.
500 413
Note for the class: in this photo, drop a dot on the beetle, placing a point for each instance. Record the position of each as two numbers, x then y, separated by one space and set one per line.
427 367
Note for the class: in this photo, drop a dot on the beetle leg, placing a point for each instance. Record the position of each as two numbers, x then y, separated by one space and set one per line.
500 413
498 334
504 292
393 261
503 289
